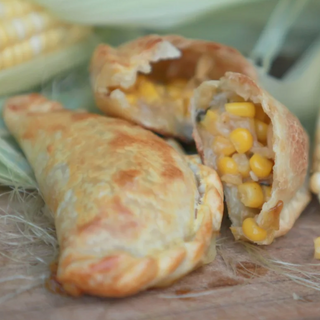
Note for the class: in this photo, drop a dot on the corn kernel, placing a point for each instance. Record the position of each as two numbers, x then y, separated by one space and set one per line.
242 164
40 43
222 145
316 248
266 193
131 98
252 231
261 130
242 139
315 182
209 121
241 109
261 115
212 115
236 98
260 165
227 165
251 194
147 90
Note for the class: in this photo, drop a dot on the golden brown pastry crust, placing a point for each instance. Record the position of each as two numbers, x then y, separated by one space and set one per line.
186 58
130 211
290 145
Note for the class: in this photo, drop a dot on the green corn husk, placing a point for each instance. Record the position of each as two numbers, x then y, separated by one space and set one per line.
39 70
74 92
155 14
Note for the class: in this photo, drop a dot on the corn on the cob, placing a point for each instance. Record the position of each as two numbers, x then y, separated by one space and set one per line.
21 28
27 31
15 8
44 42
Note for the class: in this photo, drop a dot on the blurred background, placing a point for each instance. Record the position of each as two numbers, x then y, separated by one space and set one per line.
46 45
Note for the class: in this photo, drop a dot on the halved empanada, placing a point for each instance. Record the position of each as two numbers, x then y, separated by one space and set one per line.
150 81
130 211
260 151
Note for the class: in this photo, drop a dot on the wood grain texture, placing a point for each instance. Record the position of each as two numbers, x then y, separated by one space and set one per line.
233 294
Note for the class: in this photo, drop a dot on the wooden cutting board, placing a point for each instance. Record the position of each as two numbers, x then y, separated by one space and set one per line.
232 287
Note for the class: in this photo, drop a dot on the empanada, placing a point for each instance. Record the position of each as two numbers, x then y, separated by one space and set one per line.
130 211
260 151
150 81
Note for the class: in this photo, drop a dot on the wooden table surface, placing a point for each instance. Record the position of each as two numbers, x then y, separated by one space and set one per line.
228 291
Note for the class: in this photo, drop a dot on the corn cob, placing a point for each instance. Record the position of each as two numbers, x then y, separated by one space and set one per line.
27 31
43 42
18 29
15 8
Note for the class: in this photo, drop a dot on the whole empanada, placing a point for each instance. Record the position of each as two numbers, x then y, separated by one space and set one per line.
150 81
130 211
260 151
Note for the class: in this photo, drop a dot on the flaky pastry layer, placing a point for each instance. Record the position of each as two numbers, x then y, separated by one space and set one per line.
130 211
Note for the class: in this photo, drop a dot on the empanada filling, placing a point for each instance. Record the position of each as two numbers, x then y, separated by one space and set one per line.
240 137
148 90
170 84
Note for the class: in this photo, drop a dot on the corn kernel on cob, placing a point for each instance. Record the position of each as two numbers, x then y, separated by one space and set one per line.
41 43
17 29
15 8
27 31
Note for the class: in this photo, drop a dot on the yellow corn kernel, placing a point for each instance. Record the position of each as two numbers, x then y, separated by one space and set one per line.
227 165
316 248
260 165
147 90
252 231
131 98
211 115
222 145
266 193
242 164
241 109
251 194
242 139
236 98
261 115
209 121
261 130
